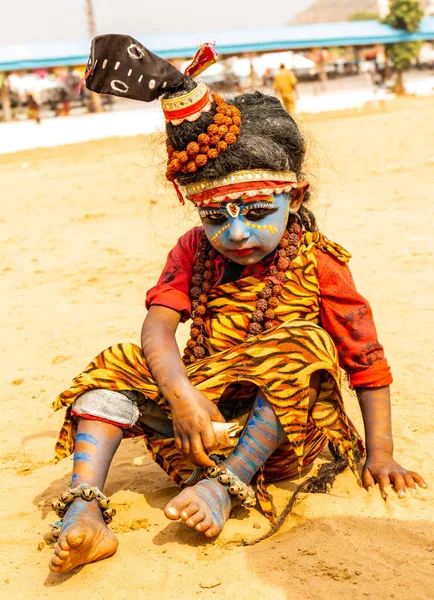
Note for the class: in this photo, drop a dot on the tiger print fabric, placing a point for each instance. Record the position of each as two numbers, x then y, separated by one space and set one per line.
279 361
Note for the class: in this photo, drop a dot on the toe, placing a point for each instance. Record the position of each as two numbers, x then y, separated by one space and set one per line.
76 537
56 560
177 505
190 510
205 524
196 518
53 567
62 554
213 530
174 508
63 544
171 512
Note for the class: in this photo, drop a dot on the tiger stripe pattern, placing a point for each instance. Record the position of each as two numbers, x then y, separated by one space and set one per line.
279 362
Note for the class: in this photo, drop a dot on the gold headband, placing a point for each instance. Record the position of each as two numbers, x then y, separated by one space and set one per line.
241 183
188 106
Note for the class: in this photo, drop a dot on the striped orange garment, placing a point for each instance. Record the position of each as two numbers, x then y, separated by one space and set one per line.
279 362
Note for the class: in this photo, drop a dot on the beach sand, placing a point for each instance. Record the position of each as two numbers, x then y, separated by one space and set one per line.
85 231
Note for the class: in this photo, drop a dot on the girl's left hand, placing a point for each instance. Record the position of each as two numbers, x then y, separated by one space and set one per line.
381 468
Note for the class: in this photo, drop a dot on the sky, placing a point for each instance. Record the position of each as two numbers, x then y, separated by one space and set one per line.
31 20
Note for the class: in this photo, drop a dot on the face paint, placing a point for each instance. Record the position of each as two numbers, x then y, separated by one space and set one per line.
86 437
246 231
82 456
262 434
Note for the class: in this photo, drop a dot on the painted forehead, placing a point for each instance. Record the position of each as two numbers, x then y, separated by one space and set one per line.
241 201
234 207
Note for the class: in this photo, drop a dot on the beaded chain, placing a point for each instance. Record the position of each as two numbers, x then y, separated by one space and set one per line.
264 314
223 132
201 286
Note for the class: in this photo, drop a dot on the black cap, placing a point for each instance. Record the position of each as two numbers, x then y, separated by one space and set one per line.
119 65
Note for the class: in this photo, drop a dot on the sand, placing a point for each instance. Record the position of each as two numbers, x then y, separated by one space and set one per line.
85 230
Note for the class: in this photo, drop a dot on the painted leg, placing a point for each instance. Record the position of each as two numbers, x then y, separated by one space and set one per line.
84 537
206 506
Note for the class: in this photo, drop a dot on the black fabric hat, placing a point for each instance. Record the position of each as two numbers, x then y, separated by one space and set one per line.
119 65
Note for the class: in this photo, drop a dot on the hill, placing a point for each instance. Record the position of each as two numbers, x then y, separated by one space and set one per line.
329 11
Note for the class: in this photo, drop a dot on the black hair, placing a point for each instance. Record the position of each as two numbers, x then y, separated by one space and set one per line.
269 139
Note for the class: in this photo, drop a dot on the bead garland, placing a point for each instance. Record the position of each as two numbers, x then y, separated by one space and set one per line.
223 132
263 317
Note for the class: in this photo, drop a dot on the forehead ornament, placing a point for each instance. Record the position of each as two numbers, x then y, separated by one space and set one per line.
233 209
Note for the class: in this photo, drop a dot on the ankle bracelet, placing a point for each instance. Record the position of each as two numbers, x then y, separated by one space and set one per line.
88 493
235 487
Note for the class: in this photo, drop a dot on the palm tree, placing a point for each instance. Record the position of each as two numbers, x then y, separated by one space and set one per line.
405 15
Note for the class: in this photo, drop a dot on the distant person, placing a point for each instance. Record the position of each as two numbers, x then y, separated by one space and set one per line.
70 91
285 84
380 71
267 78
33 109
65 99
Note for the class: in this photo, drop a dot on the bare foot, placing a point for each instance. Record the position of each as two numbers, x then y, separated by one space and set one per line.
205 506
84 538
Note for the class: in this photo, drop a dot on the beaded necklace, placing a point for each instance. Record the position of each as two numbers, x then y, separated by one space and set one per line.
268 298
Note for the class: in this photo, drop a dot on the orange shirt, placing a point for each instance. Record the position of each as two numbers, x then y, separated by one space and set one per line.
285 82
344 313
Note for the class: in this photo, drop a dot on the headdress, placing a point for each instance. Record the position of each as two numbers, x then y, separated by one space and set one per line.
121 66
249 183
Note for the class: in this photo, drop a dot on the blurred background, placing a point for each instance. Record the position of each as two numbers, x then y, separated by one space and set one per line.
340 54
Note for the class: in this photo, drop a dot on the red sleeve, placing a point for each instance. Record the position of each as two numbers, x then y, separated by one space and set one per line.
173 286
347 317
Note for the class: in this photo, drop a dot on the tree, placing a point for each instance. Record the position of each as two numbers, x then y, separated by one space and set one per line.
406 15
363 16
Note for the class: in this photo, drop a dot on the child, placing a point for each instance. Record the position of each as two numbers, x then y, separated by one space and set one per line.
274 309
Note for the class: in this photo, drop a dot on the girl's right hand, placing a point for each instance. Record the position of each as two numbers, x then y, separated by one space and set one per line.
192 417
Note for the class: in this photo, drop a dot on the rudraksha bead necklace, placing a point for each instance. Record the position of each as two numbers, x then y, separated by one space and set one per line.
263 317
220 134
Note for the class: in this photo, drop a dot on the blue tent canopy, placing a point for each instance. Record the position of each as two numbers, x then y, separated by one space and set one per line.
184 45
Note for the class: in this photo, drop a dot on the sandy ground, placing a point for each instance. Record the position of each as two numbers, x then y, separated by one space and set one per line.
85 230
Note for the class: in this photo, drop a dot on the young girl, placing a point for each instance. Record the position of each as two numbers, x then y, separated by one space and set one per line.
275 314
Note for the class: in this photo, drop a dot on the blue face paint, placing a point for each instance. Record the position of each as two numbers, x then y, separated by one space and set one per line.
86 437
212 500
255 442
82 456
246 231
73 514
261 436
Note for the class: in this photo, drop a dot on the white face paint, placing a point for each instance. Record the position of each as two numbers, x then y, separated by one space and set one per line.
245 231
